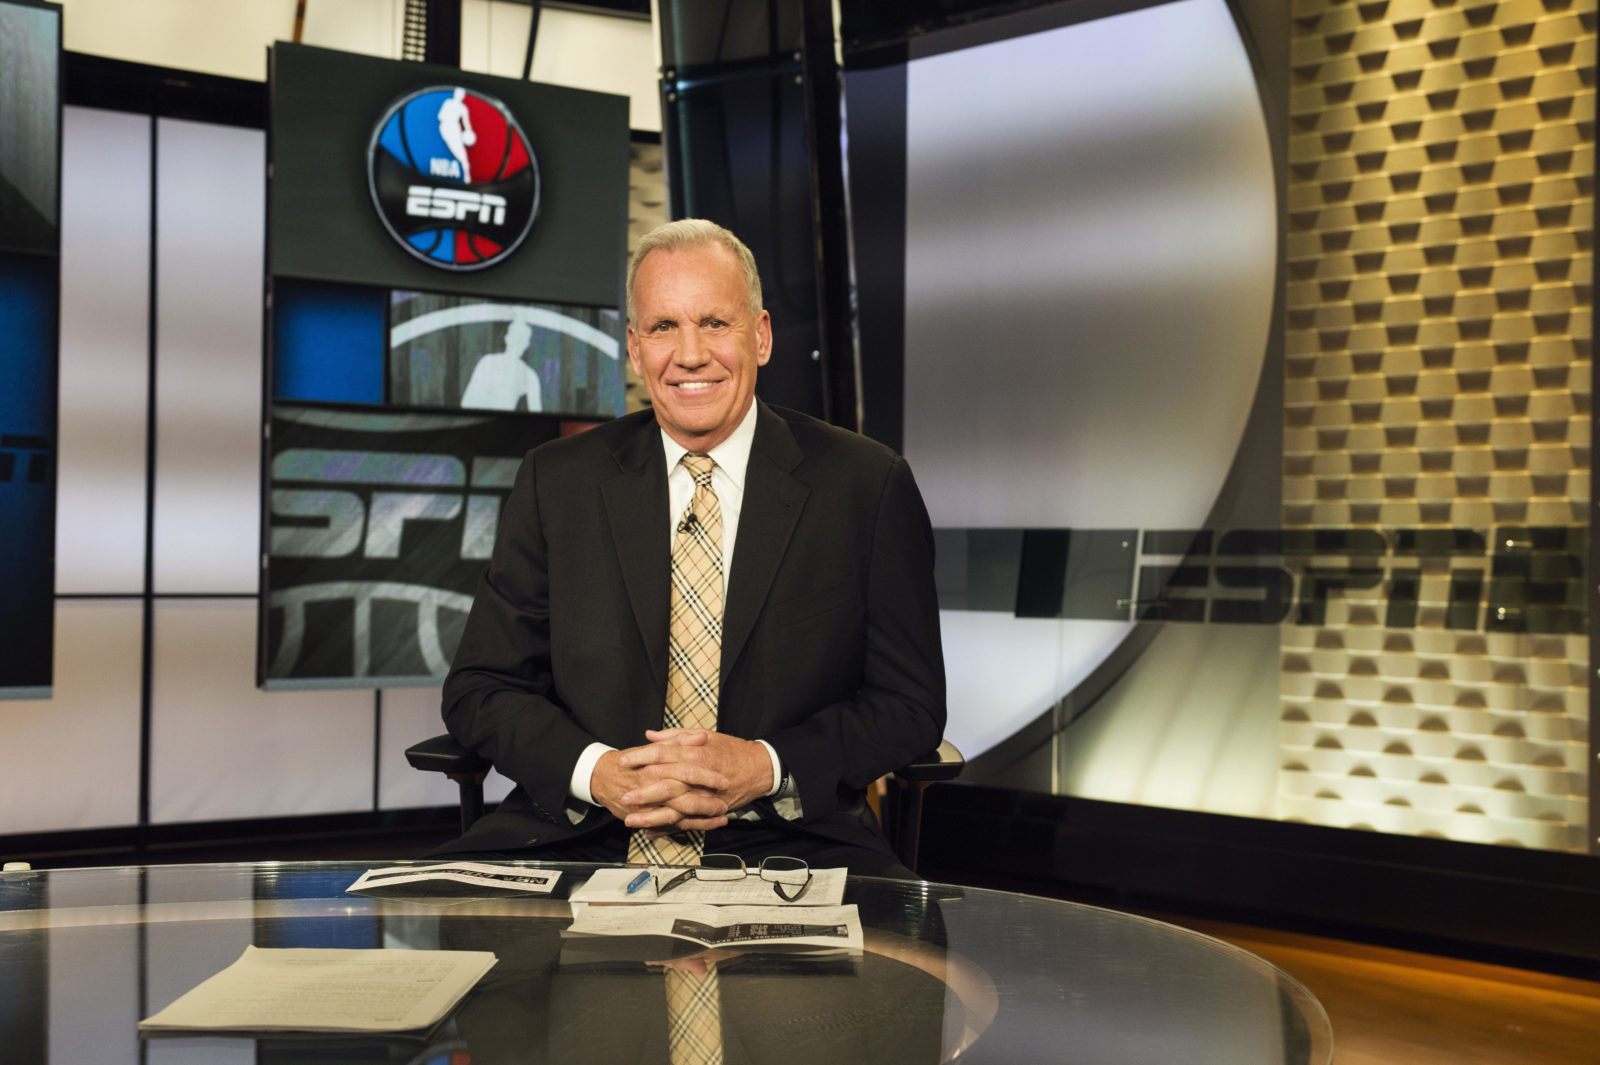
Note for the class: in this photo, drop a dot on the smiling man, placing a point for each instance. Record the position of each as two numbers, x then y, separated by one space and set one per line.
700 338
708 626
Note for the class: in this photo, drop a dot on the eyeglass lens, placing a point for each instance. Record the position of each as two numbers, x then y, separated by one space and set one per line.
711 867
720 867
789 876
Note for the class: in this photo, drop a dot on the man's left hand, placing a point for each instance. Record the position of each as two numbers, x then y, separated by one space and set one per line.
745 763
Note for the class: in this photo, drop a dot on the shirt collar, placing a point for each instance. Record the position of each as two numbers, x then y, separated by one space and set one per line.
732 455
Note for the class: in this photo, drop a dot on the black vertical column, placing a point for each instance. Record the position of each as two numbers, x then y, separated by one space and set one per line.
841 364
432 32
877 174
444 32
740 131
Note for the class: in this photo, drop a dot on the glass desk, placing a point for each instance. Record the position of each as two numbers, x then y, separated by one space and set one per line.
948 973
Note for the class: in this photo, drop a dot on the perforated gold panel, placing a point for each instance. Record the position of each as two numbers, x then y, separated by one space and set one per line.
1440 224
647 209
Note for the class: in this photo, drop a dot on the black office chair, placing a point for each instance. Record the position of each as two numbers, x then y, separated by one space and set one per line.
902 814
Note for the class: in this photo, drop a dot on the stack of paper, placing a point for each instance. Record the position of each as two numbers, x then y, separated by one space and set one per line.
323 990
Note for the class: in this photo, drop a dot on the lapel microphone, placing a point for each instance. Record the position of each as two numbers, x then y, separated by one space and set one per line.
688 523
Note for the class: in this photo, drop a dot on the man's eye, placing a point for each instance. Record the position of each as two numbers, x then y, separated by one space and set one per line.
661 327
715 323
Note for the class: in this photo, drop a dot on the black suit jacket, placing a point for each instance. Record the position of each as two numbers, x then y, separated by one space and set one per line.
830 650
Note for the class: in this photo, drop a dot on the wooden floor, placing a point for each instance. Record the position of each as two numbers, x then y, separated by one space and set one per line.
1392 1007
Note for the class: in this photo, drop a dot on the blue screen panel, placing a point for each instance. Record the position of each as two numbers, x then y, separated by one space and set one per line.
328 343
28 296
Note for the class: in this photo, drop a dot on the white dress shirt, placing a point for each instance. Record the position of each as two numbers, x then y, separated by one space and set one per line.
732 458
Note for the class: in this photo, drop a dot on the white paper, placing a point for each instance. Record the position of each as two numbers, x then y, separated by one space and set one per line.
726 926
495 879
611 885
317 990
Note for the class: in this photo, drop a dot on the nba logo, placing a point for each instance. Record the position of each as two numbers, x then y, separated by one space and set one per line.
453 178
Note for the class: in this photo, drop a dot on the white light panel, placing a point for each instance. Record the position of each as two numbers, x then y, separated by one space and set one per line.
73 760
105 351
210 202
223 749
1091 241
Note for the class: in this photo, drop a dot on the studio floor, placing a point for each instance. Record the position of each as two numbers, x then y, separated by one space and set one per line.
1395 1007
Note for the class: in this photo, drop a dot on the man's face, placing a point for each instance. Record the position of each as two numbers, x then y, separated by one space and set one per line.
695 343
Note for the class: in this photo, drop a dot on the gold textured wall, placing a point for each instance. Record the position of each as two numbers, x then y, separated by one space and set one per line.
1439 254
647 209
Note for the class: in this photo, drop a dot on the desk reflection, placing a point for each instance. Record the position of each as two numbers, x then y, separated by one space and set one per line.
561 999
946 974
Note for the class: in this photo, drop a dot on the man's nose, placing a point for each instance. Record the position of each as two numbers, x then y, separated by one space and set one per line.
692 349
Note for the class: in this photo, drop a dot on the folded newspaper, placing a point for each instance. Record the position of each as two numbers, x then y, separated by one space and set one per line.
455 880
835 927
326 990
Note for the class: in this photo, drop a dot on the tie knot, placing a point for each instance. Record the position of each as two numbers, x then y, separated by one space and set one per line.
699 467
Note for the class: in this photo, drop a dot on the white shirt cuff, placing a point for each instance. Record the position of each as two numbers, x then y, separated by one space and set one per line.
777 769
584 771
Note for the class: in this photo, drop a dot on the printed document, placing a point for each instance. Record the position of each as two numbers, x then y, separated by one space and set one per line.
456 880
314 990
611 885
838 927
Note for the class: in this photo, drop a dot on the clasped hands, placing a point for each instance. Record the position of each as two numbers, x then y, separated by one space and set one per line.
682 779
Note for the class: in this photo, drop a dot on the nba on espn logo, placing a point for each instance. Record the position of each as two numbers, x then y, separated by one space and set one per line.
453 177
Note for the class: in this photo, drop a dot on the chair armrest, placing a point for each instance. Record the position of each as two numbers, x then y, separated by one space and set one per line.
942 763
442 754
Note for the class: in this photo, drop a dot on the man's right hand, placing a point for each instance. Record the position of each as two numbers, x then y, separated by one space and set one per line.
664 797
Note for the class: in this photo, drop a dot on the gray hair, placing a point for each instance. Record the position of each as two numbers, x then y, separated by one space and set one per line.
688 233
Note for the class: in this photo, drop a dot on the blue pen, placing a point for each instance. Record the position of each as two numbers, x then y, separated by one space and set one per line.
638 882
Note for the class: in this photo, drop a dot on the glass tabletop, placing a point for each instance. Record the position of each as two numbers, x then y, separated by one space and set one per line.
947 972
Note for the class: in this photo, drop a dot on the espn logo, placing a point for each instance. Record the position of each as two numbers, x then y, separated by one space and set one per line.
1505 579
379 493
426 201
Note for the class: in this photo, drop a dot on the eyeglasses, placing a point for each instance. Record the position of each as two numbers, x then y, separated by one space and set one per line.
790 877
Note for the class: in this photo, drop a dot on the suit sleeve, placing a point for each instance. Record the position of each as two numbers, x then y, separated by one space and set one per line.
897 711
498 697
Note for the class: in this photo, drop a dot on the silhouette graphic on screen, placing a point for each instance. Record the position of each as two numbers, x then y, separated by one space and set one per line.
498 381
455 126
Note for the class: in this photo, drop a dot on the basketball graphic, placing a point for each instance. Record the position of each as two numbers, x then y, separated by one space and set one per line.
453 177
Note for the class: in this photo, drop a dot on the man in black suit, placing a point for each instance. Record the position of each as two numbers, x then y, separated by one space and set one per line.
831 672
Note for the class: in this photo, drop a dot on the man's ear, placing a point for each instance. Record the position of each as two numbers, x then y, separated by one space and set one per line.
763 338
633 350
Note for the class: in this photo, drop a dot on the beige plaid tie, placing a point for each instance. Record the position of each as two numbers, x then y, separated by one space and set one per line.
694 644
694 1017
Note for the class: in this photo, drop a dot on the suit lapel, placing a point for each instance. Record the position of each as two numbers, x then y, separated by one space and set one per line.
636 507
772 503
